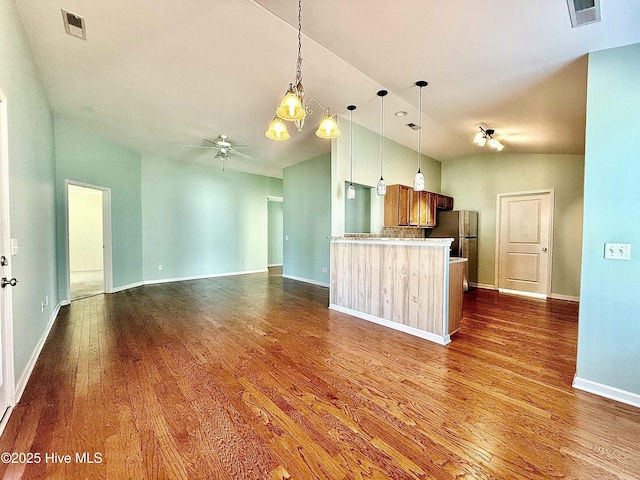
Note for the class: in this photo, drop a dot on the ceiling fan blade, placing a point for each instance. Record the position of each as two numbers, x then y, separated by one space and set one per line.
241 154
215 142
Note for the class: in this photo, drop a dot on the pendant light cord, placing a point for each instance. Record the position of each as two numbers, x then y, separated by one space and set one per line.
351 144
419 128
381 132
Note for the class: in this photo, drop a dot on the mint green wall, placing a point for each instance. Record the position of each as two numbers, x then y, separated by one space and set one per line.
609 324
276 235
307 219
358 210
31 187
399 166
198 220
475 182
88 157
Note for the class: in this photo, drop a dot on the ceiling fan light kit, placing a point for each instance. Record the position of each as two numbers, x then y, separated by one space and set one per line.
294 108
485 137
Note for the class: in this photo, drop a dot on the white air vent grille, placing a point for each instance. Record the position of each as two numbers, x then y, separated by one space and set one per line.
74 24
413 126
583 12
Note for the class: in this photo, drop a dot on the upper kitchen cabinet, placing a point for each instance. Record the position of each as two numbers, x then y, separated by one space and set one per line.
403 206
422 208
396 206
443 202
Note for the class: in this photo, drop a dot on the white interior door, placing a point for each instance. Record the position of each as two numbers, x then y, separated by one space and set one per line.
524 241
6 311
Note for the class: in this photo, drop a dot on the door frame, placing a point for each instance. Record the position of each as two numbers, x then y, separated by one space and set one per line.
6 316
107 254
499 197
272 198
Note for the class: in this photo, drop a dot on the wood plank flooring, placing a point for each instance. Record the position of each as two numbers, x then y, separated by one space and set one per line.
253 377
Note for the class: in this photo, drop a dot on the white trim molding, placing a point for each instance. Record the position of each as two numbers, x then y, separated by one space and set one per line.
26 374
126 287
569 298
275 265
416 332
484 286
540 296
606 391
306 280
199 277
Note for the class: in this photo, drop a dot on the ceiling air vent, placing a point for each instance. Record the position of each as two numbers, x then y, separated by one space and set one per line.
413 126
583 12
74 24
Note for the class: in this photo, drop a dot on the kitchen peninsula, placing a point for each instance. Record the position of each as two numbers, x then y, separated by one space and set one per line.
396 282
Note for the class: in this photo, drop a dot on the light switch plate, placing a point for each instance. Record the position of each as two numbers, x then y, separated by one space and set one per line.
617 251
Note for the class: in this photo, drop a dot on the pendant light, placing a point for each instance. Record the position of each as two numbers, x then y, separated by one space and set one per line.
351 190
418 181
381 189
294 108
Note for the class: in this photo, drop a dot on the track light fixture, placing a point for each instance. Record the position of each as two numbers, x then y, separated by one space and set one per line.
486 137
294 108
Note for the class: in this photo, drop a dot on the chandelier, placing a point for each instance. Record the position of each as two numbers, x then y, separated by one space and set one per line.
294 107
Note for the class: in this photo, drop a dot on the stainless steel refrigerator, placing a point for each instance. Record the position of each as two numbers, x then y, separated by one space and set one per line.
462 226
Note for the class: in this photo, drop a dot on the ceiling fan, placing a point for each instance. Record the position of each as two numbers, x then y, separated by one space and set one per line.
224 146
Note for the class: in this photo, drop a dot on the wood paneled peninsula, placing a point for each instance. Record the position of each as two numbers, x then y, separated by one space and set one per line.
400 283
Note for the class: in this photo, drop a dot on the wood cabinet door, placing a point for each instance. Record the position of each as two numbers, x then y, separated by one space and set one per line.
414 207
396 206
403 205
427 214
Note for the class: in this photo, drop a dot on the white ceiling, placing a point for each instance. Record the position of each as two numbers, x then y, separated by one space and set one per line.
157 75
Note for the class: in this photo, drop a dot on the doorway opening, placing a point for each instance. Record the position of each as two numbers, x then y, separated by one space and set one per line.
89 240
275 235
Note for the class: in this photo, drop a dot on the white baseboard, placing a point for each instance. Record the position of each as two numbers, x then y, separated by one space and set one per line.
64 303
484 286
569 298
199 277
24 378
606 391
126 287
306 280
275 265
540 296
439 339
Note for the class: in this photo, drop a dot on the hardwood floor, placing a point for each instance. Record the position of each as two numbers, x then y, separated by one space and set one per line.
253 377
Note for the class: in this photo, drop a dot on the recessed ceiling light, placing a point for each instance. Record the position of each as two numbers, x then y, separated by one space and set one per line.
400 113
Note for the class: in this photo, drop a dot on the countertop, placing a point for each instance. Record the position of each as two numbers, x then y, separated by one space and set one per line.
457 260
423 242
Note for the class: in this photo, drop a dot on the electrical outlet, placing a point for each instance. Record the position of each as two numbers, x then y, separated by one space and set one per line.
617 251
42 306
286 237
159 267
244 261
46 300
324 270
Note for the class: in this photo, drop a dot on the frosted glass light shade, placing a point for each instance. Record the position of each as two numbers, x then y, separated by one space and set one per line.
328 128
418 182
351 192
291 107
493 143
277 130
480 139
381 188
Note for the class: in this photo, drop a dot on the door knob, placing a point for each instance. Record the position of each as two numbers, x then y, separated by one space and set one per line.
4 282
544 249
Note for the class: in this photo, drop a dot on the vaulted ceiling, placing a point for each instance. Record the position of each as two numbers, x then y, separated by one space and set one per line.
158 75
